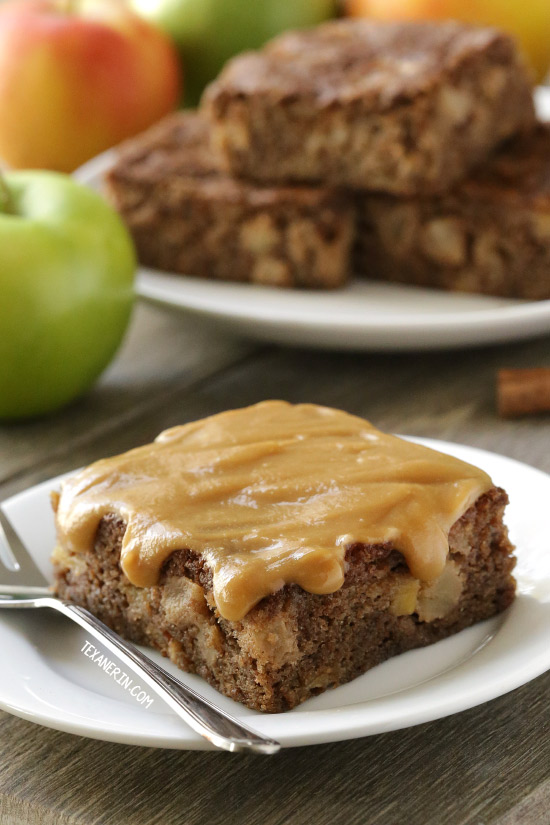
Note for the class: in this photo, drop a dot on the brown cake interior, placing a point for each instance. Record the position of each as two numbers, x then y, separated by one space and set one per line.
295 644
187 215
490 235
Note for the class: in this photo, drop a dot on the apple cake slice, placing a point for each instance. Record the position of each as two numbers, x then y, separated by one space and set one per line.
187 215
281 550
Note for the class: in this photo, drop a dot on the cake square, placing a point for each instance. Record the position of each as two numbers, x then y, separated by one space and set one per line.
490 235
397 107
280 550
187 216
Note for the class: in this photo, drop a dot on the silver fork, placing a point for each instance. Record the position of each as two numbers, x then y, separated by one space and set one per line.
25 587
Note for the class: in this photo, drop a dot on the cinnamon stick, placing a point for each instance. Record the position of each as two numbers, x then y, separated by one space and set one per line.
523 392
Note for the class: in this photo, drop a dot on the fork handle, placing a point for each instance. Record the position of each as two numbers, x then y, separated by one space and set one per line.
218 727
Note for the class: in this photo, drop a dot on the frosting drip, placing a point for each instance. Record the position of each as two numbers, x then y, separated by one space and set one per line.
270 495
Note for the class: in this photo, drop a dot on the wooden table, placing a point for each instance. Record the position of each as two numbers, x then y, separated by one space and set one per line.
485 766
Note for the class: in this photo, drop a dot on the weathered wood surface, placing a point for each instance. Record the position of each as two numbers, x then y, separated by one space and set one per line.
487 766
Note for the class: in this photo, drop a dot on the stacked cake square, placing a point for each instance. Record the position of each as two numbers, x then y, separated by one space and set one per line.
402 151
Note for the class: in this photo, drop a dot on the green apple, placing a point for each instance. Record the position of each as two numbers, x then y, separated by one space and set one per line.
208 32
67 268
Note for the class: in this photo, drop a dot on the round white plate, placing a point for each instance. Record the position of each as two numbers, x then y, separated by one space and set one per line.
365 315
47 679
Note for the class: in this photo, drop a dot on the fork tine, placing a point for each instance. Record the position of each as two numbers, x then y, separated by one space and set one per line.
27 573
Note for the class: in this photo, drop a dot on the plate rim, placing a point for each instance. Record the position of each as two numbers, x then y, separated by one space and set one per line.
515 310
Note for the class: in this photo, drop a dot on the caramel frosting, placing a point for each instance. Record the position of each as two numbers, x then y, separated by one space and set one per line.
270 495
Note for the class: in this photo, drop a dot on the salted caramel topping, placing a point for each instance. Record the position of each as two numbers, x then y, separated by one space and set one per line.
270 495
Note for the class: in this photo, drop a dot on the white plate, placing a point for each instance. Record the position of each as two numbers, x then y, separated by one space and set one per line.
366 315
46 679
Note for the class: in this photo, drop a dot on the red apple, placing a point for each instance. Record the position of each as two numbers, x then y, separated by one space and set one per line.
78 76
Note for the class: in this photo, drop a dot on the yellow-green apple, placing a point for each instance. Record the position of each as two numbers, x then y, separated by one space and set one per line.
529 22
78 76
208 32
67 267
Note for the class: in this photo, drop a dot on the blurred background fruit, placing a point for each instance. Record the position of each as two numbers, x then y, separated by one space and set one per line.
78 76
67 268
209 32
528 21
